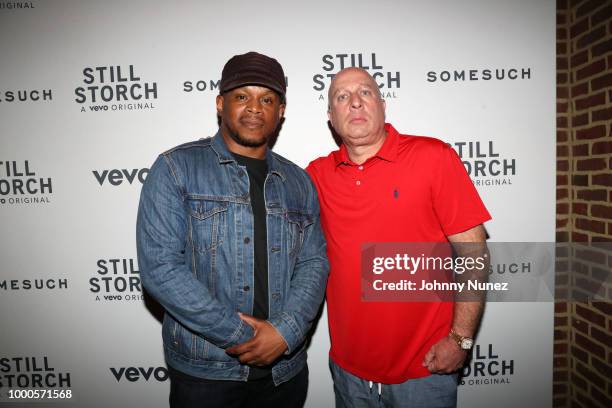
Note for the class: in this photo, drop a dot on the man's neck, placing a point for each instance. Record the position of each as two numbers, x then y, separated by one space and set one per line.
359 154
258 152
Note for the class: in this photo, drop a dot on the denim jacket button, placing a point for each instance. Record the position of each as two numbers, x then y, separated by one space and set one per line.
246 288
247 240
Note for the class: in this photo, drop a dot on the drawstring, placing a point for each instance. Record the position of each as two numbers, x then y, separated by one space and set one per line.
379 389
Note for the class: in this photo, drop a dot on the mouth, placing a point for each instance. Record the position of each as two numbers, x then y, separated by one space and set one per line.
252 123
357 120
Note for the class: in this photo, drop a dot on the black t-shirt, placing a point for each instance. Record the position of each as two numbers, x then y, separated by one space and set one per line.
257 170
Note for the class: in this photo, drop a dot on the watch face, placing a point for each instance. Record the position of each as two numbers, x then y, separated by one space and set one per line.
467 344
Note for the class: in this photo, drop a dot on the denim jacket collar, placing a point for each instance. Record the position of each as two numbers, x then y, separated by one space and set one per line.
225 156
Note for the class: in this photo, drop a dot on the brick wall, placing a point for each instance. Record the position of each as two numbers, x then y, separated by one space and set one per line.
583 343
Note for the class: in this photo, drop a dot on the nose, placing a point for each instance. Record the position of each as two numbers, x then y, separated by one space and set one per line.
355 101
254 105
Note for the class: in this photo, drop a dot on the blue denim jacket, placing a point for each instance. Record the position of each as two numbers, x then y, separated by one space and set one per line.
195 252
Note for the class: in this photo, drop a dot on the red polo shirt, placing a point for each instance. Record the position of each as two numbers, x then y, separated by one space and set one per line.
415 189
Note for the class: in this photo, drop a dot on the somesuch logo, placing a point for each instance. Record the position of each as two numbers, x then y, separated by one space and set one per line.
134 374
24 95
203 85
34 284
116 177
470 75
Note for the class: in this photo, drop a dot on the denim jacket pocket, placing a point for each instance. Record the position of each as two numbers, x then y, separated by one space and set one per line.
207 222
297 223
206 351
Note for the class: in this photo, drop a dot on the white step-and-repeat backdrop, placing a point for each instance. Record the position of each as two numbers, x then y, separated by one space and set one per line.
92 91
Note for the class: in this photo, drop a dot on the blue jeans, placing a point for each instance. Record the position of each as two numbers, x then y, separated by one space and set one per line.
434 391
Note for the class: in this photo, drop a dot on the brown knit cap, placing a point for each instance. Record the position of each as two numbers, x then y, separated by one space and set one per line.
253 68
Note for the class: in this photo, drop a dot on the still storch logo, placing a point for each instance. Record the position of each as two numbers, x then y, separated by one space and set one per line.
116 279
20 184
31 372
485 165
486 367
388 81
116 88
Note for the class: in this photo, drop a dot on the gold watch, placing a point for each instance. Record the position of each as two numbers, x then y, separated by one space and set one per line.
464 343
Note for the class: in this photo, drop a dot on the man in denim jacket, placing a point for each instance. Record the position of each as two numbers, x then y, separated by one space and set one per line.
229 242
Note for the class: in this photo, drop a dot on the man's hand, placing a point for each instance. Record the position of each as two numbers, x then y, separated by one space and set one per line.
263 348
444 357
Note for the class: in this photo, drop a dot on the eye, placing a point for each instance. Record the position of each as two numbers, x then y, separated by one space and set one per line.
366 92
267 100
341 97
241 97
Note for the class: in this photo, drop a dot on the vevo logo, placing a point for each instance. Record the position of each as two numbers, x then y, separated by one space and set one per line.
116 176
134 374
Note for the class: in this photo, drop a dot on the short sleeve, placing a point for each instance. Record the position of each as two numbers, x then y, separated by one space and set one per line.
455 199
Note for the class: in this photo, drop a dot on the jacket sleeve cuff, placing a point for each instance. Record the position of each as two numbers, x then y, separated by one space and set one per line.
288 329
242 333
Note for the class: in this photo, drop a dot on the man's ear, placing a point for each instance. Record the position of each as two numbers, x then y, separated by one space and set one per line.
281 111
219 103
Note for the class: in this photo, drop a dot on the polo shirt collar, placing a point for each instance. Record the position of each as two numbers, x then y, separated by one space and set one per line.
387 152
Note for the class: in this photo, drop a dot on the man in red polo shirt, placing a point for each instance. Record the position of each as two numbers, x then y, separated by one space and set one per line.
381 186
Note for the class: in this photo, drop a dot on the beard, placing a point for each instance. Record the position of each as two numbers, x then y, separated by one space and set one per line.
242 141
